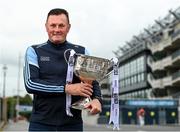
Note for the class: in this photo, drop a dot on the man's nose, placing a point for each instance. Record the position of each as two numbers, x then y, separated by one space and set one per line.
57 27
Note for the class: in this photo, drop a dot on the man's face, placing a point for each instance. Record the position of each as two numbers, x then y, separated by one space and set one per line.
57 27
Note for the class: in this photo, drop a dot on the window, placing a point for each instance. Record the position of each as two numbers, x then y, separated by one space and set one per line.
135 79
142 76
140 64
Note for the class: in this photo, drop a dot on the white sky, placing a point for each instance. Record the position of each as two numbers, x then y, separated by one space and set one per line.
99 25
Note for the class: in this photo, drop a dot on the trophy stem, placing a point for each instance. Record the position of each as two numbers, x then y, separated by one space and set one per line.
80 104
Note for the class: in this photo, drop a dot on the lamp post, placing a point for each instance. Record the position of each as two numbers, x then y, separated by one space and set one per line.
4 80
18 86
4 109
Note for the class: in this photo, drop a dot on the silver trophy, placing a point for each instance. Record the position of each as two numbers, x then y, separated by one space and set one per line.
89 68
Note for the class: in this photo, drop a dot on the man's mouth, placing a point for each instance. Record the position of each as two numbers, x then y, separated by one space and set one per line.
57 35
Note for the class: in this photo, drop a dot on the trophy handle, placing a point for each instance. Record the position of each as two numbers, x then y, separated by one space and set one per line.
66 54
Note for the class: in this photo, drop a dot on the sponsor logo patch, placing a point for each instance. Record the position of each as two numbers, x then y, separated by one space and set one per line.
44 58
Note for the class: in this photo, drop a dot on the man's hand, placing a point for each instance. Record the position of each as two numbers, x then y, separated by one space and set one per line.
94 106
81 89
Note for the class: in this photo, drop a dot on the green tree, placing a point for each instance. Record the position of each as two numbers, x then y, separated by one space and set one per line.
11 105
26 100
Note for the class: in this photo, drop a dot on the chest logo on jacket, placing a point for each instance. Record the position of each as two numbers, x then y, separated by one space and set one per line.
44 58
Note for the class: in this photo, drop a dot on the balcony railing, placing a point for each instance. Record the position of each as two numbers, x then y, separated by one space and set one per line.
157 47
176 58
167 81
175 34
176 75
154 83
166 41
176 54
160 65
160 83
176 78
164 63
176 38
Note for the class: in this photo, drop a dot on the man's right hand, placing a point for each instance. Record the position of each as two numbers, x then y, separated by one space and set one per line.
79 89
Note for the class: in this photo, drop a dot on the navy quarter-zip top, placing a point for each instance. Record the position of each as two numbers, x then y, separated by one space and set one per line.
45 77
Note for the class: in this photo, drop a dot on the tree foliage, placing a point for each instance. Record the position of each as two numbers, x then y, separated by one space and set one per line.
11 104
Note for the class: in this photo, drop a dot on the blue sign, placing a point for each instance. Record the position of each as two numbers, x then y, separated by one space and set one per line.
24 108
151 102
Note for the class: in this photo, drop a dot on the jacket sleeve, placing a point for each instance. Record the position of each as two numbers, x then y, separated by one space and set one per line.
32 81
96 91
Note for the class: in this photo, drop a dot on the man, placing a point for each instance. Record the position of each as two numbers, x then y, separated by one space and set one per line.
141 115
45 77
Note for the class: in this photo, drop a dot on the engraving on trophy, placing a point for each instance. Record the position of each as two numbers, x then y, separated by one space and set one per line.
89 68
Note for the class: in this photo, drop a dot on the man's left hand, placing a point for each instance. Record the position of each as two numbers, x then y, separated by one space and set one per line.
94 106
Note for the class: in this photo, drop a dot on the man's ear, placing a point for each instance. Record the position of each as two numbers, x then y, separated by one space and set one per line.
46 27
69 27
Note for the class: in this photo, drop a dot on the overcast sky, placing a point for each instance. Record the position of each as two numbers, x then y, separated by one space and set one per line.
99 25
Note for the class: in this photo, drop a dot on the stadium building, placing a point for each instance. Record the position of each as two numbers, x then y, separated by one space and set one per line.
149 74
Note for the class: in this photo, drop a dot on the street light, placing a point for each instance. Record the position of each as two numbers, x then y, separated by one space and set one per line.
4 80
18 86
4 109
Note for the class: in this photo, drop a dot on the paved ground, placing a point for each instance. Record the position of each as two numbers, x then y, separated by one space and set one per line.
135 128
23 126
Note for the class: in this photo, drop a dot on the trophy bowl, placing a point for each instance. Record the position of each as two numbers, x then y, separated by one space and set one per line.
89 68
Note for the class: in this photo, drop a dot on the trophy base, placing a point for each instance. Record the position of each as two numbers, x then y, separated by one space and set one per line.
80 104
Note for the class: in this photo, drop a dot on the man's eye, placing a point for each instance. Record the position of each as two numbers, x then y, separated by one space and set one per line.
53 25
57 26
61 25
